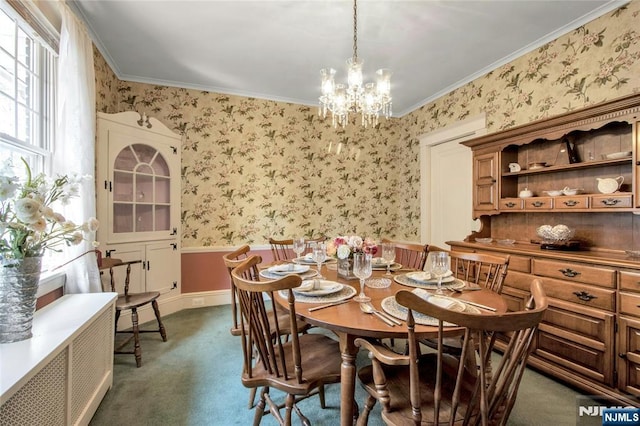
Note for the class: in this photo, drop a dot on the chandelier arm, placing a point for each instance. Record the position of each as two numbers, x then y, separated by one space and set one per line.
355 29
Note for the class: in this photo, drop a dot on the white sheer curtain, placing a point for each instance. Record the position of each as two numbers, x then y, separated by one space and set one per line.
75 141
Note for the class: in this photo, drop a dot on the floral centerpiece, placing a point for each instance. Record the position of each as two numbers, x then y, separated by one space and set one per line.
343 249
28 226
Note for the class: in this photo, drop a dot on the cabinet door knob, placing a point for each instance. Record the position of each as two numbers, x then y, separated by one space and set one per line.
623 356
567 272
584 296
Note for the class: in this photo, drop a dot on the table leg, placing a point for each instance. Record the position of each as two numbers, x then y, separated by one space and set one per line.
347 378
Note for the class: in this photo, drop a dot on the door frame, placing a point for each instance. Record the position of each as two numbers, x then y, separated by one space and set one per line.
458 132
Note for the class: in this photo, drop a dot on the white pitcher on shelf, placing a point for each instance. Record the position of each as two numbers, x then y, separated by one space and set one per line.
609 185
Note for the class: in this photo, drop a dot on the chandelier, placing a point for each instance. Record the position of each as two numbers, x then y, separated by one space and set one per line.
368 99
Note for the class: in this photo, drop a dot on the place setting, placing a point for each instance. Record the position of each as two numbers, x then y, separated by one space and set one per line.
321 291
393 308
278 271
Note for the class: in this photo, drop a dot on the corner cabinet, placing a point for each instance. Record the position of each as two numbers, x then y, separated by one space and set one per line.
590 335
138 191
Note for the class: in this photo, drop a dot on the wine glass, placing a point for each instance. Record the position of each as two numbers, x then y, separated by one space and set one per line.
319 256
388 255
299 246
362 270
439 266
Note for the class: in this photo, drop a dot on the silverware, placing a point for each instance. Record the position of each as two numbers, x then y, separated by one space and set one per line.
478 305
384 314
328 305
368 309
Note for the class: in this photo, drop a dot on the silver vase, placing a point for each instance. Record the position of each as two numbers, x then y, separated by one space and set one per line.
18 286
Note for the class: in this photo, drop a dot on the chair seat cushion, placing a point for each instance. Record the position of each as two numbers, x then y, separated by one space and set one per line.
321 361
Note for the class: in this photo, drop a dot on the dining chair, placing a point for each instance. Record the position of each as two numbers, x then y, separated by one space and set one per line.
480 269
131 302
231 260
282 249
300 366
410 255
437 387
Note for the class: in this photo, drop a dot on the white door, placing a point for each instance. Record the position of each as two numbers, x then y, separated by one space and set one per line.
446 182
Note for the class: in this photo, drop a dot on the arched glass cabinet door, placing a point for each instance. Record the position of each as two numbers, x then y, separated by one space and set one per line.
141 190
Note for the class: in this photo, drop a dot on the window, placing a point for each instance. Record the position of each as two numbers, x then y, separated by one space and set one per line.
27 91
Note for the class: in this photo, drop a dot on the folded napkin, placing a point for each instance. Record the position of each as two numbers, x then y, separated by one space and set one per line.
285 267
426 275
309 257
443 302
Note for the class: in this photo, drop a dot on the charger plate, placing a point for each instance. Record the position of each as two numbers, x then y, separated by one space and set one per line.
347 292
393 308
431 285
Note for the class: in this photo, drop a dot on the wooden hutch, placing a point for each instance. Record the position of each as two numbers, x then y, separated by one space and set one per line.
590 336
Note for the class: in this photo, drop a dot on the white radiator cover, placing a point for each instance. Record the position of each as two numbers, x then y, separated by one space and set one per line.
60 375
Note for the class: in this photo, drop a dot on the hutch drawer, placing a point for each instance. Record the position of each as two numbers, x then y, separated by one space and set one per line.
630 304
511 204
520 263
575 272
609 201
630 281
538 203
568 203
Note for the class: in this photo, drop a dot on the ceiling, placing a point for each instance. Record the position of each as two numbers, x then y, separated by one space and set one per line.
275 49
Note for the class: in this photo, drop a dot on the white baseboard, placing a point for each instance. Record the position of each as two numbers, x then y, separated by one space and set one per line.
177 303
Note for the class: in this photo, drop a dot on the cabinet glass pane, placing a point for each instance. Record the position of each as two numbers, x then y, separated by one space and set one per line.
144 188
125 160
163 189
145 153
144 218
160 166
122 186
163 218
122 217
144 168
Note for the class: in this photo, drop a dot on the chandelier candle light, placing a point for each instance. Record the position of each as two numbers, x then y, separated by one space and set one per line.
368 99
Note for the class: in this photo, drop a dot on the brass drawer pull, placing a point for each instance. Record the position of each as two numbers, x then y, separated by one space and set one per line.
571 203
510 204
584 296
610 201
537 204
567 272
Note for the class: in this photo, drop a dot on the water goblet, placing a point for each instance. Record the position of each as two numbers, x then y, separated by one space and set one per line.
319 256
388 255
299 246
439 266
362 270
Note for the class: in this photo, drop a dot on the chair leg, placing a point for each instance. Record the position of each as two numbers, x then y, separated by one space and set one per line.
163 333
321 396
115 328
290 400
136 337
260 406
363 419
252 397
305 421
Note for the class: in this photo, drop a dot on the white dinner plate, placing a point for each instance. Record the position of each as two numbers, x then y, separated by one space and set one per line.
390 306
288 268
428 277
323 288
381 266
309 261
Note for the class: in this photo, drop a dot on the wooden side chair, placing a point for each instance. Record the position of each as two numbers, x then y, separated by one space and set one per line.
231 260
131 302
482 269
282 249
436 387
300 366
410 255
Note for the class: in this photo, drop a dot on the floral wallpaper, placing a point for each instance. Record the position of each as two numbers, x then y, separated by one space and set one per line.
254 168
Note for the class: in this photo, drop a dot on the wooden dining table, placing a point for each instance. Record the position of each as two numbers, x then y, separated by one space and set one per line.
348 322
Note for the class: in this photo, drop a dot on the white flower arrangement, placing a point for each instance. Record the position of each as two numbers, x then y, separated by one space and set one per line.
28 223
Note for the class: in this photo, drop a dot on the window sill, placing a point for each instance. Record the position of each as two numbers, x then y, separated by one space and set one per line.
50 281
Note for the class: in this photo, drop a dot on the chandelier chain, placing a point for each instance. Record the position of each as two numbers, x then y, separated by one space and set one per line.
355 29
